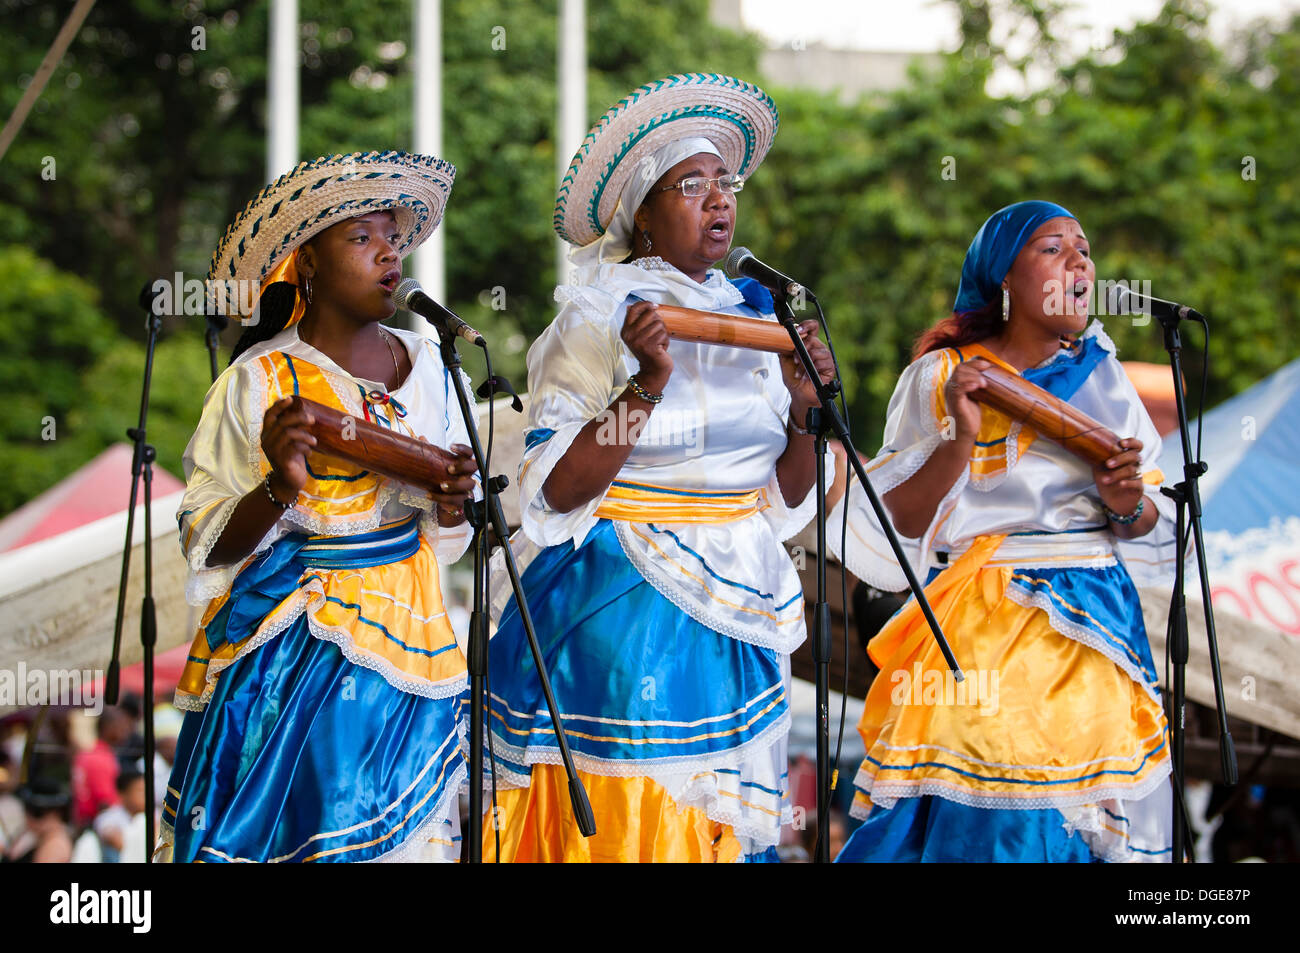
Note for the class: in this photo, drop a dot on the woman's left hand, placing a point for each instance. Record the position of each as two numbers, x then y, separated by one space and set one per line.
802 392
1119 479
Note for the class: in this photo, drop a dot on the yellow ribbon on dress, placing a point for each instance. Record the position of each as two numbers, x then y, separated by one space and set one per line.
647 503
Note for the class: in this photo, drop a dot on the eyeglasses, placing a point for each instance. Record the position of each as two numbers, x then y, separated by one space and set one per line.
698 185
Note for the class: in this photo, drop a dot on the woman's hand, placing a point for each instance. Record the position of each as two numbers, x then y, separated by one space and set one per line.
1119 479
286 441
451 482
647 338
962 407
803 395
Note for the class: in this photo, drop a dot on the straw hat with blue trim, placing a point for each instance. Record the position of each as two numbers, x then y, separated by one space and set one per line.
737 117
325 191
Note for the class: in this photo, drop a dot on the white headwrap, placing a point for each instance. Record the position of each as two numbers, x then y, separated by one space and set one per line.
616 244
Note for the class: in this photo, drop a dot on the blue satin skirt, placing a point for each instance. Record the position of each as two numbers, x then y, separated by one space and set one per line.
931 829
637 680
301 755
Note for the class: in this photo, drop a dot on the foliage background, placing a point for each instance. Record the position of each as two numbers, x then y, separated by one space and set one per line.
157 145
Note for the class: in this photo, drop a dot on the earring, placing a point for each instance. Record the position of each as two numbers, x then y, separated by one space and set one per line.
646 237
306 288
1006 304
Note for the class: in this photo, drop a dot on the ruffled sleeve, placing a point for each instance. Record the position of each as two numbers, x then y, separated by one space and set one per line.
786 521
575 370
220 469
914 429
1149 559
450 542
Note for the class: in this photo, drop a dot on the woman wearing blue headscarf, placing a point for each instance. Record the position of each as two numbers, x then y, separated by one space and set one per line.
1054 748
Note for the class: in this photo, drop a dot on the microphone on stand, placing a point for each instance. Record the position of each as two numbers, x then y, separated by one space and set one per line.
741 263
1122 300
411 297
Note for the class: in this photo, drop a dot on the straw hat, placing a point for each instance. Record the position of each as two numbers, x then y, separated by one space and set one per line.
737 117
324 191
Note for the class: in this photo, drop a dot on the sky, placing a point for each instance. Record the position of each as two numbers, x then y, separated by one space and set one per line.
927 25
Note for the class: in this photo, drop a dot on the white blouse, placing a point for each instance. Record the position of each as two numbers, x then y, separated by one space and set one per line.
224 460
1047 489
720 427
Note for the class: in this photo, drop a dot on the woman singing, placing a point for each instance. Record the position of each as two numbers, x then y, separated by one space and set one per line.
325 688
1054 749
659 480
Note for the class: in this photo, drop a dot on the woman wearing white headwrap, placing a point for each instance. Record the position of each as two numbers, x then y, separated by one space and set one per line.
658 482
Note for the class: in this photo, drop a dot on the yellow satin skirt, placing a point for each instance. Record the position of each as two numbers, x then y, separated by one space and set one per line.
636 821
1042 720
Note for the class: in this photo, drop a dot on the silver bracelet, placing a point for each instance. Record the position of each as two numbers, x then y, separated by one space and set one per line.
283 506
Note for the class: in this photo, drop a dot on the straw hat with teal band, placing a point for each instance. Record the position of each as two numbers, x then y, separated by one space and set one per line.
324 191
737 117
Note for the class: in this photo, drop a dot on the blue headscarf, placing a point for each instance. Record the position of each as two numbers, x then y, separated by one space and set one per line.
995 248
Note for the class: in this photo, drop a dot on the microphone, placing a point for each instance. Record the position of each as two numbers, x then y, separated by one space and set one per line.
411 297
741 263
1122 300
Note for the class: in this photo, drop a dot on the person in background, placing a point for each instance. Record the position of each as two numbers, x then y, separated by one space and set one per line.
45 838
111 824
94 771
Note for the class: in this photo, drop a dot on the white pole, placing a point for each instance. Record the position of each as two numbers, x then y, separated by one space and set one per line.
571 123
282 89
428 264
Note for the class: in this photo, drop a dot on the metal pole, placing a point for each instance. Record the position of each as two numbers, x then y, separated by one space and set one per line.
571 120
429 262
282 89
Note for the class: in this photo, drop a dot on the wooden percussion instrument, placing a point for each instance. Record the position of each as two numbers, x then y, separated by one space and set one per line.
1050 416
709 327
373 447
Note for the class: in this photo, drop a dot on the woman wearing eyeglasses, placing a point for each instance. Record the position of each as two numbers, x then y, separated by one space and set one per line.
658 482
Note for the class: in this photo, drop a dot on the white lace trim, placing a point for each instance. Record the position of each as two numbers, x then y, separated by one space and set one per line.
887 793
415 843
653 768
385 669
1079 633
308 598
207 582
763 829
764 636
701 789
418 840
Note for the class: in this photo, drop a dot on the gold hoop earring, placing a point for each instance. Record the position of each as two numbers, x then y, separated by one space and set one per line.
1006 304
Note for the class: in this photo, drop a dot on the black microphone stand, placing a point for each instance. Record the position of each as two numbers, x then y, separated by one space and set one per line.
485 515
822 421
142 460
217 323
1187 498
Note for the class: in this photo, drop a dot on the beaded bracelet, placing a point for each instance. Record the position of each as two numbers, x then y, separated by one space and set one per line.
641 392
1124 520
283 506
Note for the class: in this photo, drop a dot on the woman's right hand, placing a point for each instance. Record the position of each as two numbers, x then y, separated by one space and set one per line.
647 338
962 407
286 441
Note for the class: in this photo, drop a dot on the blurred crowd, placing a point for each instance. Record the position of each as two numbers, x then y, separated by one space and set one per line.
80 796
